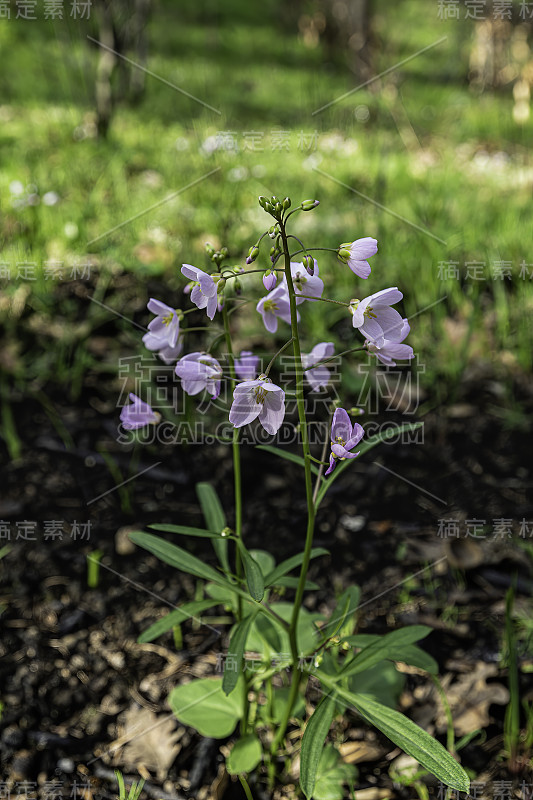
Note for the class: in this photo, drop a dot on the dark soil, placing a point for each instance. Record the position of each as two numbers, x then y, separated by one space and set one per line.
71 669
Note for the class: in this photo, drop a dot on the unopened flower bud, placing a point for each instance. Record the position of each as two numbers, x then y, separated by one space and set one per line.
263 201
273 232
278 207
308 205
209 249
356 412
317 661
345 646
224 252
273 251
286 203
309 264
273 200
221 284
269 280
237 285
225 532
253 252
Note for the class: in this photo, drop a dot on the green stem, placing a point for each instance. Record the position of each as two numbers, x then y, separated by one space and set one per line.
238 499
236 458
247 790
280 351
296 675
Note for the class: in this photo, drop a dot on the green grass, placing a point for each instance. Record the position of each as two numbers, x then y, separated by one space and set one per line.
428 153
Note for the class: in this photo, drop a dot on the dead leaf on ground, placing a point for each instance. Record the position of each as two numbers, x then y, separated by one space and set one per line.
470 697
147 739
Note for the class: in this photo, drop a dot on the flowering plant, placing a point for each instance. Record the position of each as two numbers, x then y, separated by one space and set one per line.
291 644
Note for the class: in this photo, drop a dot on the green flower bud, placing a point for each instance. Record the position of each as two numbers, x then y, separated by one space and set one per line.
263 202
224 252
308 205
209 249
356 412
237 285
286 203
253 252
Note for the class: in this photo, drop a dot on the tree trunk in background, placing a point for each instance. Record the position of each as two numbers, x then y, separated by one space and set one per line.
122 29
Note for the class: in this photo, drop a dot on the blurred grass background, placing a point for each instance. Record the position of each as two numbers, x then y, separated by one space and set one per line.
445 161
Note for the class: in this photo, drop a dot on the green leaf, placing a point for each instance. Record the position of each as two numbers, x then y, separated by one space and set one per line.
291 563
313 743
266 561
292 583
279 704
346 606
410 654
429 753
277 451
235 654
364 447
203 705
385 648
332 773
184 529
215 520
252 571
186 611
245 755
176 556
382 682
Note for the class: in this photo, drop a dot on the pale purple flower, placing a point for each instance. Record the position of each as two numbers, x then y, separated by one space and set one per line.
273 305
167 354
359 251
269 280
138 414
199 371
203 290
387 351
246 366
343 438
258 399
318 377
375 318
304 283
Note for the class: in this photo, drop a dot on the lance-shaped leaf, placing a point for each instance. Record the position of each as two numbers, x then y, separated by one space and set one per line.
252 570
313 742
387 647
285 454
185 530
186 611
291 563
410 653
215 520
429 753
347 605
234 658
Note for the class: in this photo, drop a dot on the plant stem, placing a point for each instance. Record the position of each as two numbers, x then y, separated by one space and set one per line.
238 502
280 351
247 790
296 675
236 459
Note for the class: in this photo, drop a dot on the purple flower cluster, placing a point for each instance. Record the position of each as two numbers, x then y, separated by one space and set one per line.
256 396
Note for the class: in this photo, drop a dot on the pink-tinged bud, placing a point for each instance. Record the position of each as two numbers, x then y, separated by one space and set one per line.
309 264
269 280
253 252
308 205
237 286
